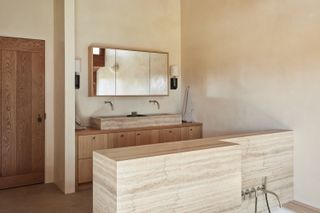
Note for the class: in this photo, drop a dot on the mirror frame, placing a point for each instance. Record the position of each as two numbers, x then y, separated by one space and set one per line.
90 71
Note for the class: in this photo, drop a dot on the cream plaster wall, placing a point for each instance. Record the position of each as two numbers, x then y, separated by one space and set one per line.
64 95
69 96
34 19
256 65
59 94
138 24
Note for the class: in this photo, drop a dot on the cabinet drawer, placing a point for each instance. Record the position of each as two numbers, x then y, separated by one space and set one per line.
87 144
101 142
169 135
189 133
122 139
147 137
85 171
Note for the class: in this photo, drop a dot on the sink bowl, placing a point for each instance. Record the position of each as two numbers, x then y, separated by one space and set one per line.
138 115
134 121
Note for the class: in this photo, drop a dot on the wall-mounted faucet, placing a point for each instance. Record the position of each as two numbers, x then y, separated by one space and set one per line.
111 104
155 102
263 188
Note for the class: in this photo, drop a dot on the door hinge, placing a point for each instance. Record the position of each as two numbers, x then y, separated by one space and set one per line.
45 116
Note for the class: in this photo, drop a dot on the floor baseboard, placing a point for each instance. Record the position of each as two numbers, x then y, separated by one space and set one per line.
301 207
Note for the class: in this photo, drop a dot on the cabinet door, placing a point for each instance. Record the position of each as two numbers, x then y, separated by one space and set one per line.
143 137
159 74
85 147
189 133
122 139
195 132
155 136
147 137
101 142
132 74
169 135
87 144
84 171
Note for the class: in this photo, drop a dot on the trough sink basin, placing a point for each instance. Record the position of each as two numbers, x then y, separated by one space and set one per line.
136 121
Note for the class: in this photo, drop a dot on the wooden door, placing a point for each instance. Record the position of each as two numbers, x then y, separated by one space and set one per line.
22 111
170 135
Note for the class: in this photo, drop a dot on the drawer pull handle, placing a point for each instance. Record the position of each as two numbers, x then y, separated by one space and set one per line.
122 136
170 131
138 134
191 130
93 138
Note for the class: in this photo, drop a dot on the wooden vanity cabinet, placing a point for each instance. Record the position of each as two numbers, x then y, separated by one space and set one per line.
91 140
170 135
84 170
190 133
87 144
146 137
122 139
85 147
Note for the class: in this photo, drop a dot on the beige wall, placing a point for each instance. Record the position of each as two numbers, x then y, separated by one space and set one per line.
70 147
59 94
139 24
256 65
34 19
64 95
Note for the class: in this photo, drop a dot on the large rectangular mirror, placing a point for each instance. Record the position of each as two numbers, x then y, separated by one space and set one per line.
119 72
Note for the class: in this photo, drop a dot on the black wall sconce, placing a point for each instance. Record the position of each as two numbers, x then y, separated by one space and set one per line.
77 73
174 72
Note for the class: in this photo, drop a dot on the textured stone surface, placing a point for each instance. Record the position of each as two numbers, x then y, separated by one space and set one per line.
269 155
123 122
194 176
198 180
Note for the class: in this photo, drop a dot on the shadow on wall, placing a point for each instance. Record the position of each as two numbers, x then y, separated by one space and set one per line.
218 115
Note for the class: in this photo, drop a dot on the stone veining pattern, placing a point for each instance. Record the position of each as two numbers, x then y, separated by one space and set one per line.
206 180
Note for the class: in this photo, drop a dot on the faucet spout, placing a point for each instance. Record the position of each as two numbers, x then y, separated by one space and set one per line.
111 104
155 102
274 194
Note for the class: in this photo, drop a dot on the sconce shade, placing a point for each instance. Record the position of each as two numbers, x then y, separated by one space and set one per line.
174 70
78 65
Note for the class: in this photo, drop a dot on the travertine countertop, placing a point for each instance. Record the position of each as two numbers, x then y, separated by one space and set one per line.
92 131
135 152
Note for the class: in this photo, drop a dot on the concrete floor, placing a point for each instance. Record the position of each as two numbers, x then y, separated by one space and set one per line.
47 198
44 199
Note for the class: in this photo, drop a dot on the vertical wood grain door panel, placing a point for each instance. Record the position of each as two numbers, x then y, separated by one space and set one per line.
8 119
1 113
170 135
190 133
101 143
122 139
147 137
143 137
22 111
38 111
85 146
24 114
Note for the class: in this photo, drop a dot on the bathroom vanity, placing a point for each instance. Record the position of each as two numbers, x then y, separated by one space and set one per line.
203 175
92 139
